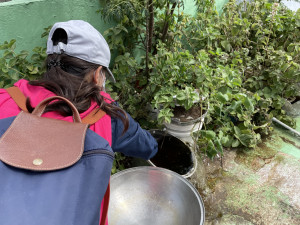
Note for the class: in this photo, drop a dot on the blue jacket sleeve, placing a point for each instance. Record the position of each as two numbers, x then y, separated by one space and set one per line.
135 142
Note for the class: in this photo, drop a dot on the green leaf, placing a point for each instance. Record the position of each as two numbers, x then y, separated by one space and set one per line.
223 98
211 150
8 55
15 76
235 105
5 69
12 44
227 141
165 115
218 145
261 126
235 143
209 134
257 97
248 104
34 71
226 45
237 82
29 67
237 130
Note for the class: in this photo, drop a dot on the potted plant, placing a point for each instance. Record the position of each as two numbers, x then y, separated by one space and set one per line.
177 80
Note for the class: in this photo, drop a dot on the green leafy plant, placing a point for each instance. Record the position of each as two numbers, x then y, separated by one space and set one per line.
141 25
176 80
258 41
151 63
245 62
15 66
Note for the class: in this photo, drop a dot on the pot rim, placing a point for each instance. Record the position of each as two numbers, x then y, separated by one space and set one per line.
194 158
190 122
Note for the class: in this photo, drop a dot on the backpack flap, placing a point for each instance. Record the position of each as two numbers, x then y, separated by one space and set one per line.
43 144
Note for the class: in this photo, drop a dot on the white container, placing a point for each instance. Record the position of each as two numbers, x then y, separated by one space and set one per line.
184 130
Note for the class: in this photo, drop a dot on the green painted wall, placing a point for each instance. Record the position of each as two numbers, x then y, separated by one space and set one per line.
25 20
220 4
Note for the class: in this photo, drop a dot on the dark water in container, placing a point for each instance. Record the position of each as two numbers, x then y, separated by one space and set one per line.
172 154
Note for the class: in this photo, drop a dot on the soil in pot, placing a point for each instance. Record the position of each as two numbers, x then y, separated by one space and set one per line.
183 115
173 154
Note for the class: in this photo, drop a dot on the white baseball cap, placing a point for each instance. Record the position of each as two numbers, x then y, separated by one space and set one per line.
83 42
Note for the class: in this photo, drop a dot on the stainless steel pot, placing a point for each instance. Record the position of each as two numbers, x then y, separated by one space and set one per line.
153 195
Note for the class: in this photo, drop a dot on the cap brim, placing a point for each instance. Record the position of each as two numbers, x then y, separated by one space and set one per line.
111 76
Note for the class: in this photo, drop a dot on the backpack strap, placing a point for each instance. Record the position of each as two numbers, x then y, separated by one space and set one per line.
93 116
17 95
96 114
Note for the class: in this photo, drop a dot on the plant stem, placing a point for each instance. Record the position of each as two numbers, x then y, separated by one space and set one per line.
149 34
17 71
166 24
147 43
151 25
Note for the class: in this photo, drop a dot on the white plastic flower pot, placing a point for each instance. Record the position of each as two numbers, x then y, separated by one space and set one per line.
184 130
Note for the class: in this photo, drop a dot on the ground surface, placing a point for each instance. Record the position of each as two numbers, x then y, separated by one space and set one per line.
259 186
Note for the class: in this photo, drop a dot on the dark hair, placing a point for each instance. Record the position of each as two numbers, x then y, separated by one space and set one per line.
72 78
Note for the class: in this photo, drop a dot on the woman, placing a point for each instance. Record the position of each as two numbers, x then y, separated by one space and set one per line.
77 66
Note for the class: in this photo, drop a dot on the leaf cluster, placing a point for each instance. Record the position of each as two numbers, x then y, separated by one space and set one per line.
15 66
259 41
245 62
